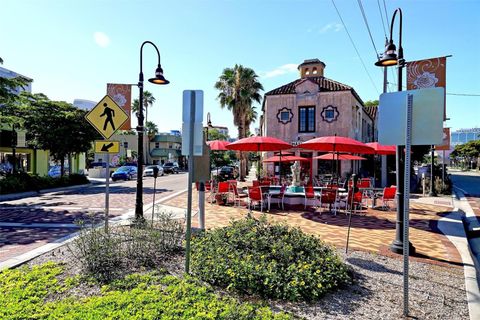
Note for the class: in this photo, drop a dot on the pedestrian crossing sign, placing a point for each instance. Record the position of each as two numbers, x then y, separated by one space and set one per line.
107 117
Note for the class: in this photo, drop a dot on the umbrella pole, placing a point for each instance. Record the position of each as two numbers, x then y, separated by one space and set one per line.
350 211
280 169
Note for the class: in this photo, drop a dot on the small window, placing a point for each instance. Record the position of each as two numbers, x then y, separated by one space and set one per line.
157 144
314 71
285 116
307 71
329 114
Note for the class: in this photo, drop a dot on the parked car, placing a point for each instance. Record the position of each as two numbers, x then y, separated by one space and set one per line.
148 172
55 171
125 173
170 167
226 173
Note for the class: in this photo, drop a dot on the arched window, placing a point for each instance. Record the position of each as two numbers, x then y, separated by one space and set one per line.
314 71
307 71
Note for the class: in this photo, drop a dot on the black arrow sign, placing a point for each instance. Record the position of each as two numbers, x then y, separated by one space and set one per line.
105 147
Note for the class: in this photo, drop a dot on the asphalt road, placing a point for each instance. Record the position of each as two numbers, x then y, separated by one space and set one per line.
467 182
31 222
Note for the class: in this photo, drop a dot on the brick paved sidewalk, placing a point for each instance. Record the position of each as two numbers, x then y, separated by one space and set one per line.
372 231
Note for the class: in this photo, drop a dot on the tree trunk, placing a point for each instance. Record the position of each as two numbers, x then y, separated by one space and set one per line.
241 166
69 163
62 166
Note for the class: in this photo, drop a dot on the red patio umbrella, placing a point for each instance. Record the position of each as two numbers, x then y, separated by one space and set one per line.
336 144
332 156
218 145
259 143
283 158
382 149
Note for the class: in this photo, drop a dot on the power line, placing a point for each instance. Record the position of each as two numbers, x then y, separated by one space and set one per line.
381 18
463 94
448 93
368 28
355 47
386 14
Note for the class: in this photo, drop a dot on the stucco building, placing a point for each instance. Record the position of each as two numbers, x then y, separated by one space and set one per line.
313 106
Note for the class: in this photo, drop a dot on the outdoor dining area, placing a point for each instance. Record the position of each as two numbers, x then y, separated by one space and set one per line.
291 190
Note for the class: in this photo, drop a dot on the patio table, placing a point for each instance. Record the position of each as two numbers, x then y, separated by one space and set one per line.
374 192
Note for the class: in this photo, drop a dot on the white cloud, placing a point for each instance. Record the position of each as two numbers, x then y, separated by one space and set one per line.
101 39
334 27
286 68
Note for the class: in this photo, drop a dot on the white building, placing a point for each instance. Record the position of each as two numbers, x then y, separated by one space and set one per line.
84 104
9 74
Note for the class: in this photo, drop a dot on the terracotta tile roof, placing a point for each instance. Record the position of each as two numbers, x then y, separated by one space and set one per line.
324 83
371 111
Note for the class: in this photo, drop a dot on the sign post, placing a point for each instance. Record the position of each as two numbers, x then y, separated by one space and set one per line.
192 116
107 117
409 118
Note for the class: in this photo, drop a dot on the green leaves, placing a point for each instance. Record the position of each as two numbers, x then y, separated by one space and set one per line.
273 261
138 296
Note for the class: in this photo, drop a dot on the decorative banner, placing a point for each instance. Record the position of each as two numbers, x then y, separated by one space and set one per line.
427 73
122 95
446 140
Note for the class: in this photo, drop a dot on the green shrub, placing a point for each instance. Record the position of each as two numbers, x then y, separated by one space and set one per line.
23 181
24 290
27 294
273 261
99 254
106 256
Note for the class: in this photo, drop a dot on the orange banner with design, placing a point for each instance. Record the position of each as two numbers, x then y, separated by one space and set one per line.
428 73
122 95
446 140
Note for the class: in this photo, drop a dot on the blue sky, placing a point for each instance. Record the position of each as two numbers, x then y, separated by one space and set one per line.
73 48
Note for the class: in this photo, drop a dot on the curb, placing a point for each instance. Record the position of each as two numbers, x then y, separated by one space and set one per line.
469 250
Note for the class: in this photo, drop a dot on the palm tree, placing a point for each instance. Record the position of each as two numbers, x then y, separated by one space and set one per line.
239 89
250 117
151 129
148 101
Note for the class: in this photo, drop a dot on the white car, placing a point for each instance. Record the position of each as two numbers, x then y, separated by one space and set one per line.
148 172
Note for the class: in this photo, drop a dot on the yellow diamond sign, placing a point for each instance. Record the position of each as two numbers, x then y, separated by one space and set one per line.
107 117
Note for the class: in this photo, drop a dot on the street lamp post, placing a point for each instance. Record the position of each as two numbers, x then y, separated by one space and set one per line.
160 80
389 58
209 125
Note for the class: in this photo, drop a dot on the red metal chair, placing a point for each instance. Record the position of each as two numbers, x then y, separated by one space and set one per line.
356 202
280 197
310 195
388 196
223 188
237 197
255 197
330 197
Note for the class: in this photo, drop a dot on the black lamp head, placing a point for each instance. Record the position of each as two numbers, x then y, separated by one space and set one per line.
159 78
389 57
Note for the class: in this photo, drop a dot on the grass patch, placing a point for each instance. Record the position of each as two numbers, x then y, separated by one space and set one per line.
274 261
153 295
